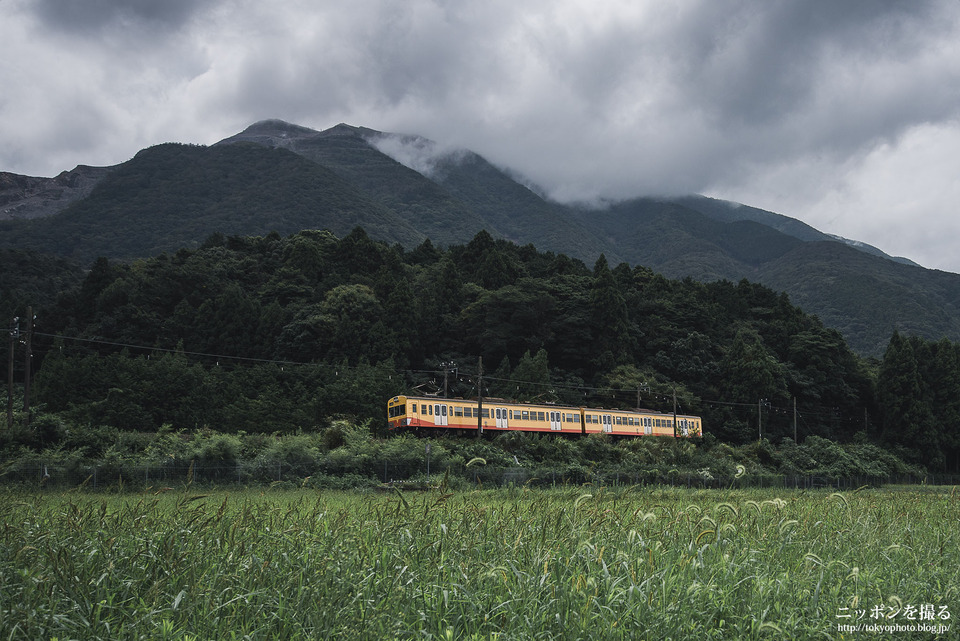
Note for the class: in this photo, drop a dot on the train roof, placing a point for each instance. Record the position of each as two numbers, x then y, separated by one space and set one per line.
585 408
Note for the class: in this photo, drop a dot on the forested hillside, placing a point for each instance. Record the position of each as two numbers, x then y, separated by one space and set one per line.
864 296
275 334
275 176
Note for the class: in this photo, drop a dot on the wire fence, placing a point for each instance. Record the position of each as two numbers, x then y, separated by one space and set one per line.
112 477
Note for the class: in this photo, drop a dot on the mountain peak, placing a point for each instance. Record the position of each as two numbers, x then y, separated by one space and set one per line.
343 129
274 125
271 133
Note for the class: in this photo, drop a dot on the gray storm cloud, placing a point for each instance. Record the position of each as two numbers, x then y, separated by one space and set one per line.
809 108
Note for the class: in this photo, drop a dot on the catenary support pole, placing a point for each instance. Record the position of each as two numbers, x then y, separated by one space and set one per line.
14 337
26 366
480 398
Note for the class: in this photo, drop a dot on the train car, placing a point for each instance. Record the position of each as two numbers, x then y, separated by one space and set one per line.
524 417
499 415
640 423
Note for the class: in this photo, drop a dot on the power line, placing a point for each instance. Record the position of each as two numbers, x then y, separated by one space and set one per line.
172 351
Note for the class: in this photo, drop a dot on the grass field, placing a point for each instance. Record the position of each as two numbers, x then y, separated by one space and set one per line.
582 563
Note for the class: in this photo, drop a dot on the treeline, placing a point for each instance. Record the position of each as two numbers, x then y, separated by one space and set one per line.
272 334
343 455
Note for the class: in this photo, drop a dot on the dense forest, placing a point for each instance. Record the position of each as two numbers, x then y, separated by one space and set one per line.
278 335
279 177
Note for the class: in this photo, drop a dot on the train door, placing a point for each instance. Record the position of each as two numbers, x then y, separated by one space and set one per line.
555 421
440 414
607 421
501 416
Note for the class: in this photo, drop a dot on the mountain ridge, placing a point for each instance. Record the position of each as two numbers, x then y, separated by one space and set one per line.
276 176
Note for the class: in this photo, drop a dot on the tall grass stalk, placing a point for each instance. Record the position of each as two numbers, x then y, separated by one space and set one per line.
517 564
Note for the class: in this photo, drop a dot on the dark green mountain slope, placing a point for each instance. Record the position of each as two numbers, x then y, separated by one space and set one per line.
275 176
415 200
867 297
458 196
727 211
678 241
173 196
520 215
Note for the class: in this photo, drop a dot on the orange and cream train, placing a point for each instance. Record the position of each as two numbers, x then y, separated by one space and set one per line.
410 412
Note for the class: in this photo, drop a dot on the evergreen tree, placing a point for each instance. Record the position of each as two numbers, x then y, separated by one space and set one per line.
906 419
532 376
609 320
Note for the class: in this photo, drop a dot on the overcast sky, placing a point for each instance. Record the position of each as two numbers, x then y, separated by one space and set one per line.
844 114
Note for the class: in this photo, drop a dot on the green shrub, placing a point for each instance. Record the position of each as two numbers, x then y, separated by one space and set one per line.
297 455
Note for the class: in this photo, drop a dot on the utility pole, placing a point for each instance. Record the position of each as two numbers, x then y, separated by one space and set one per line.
760 420
641 387
26 366
447 368
794 419
14 337
480 398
